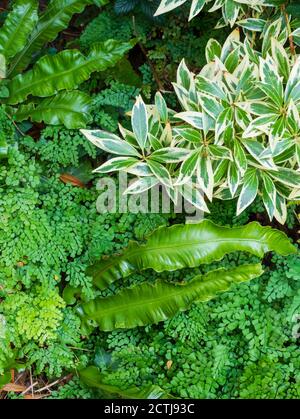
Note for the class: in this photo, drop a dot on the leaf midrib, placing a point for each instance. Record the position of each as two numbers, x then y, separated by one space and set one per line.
150 301
41 29
54 76
49 109
181 290
157 248
24 17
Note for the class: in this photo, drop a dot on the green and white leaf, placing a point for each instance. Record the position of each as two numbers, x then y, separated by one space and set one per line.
240 158
193 118
161 106
116 164
210 105
271 83
260 125
219 152
140 169
213 49
249 190
252 24
296 36
192 194
286 176
168 5
196 7
205 176
224 125
141 185
209 87
233 178
188 167
160 172
110 143
139 122
184 77
293 80
189 134
281 210
260 154
269 195
170 155
230 11
281 58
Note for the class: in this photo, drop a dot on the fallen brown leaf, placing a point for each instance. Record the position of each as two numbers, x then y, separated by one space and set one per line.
16 388
66 178
169 364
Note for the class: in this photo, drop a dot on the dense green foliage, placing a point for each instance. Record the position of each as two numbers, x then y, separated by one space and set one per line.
238 134
242 344
53 80
49 232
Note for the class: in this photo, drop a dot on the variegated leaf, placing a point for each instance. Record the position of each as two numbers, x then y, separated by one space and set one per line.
231 11
249 190
277 132
293 80
141 185
155 143
280 212
260 125
224 125
161 106
240 158
286 176
194 196
295 194
170 155
281 58
256 149
231 41
205 176
210 87
109 142
232 60
160 172
184 76
116 164
192 118
233 178
270 31
271 83
252 24
139 169
196 7
296 36
188 167
220 169
213 49
269 195
168 5
219 152
211 106
139 122
188 134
